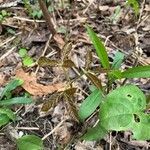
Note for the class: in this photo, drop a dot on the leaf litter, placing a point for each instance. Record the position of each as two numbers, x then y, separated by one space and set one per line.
118 34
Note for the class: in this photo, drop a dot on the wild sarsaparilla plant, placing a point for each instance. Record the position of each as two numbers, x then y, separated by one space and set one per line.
122 108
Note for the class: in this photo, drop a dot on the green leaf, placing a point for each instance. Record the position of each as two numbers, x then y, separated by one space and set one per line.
90 104
115 17
135 5
27 61
10 86
118 59
100 48
16 100
4 119
98 132
10 114
22 52
119 109
115 74
137 72
29 142
140 129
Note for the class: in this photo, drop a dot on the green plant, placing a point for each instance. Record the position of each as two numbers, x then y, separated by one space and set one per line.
3 15
26 59
135 5
31 142
122 108
6 100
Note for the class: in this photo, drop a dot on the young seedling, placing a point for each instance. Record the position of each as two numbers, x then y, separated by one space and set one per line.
122 108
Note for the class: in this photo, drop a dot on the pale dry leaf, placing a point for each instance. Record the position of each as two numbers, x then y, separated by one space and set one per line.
34 88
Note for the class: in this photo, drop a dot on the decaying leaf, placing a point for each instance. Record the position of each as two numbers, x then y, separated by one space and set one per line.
34 88
94 79
43 61
68 63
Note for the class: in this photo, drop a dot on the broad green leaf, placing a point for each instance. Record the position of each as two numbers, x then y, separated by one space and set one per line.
16 100
100 48
10 86
97 132
118 59
27 61
10 114
90 104
135 5
137 72
22 52
4 119
119 109
29 142
141 129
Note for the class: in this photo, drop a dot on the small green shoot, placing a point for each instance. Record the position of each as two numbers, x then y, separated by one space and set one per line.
26 59
120 107
135 5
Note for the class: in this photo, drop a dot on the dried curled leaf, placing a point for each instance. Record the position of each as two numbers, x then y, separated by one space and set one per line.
68 63
43 61
94 80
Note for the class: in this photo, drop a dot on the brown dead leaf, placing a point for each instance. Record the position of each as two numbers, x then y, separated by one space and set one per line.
34 88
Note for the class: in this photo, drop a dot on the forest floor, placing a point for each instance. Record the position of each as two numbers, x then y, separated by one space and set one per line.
120 30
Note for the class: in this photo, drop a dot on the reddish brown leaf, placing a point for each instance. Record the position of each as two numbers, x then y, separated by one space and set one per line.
43 61
68 63
94 79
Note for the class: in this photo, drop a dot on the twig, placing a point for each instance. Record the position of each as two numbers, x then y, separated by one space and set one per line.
7 53
56 128
28 20
47 17
141 12
26 128
44 51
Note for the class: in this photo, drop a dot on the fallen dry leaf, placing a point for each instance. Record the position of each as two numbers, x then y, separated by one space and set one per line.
34 88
